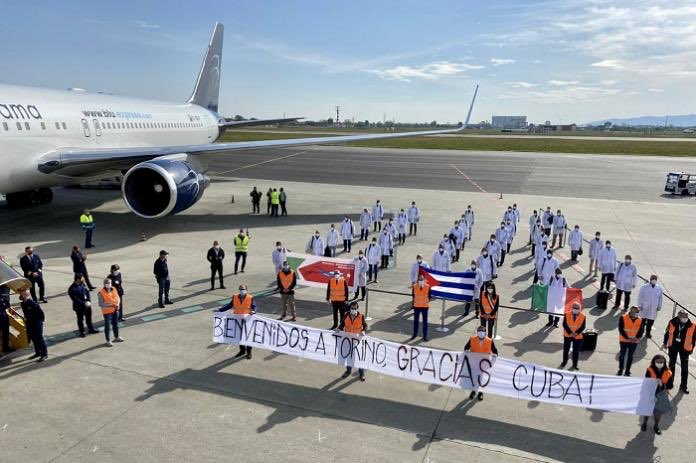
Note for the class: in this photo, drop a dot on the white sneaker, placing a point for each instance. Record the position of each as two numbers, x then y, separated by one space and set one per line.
109 344
118 339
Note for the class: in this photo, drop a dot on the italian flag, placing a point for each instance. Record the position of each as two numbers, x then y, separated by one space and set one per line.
555 301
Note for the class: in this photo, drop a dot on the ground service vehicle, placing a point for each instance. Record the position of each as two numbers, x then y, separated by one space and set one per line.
680 183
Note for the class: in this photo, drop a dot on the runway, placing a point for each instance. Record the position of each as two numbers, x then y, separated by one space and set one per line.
565 175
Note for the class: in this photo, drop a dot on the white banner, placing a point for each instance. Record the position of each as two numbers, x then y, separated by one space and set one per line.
464 370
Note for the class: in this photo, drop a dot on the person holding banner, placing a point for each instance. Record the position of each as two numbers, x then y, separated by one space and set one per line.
680 336
374 256
353 323
361 268
337 295
573 327
478 284
658 370
241 304
490 303
286 281
421 297
480 344
365 221
631 329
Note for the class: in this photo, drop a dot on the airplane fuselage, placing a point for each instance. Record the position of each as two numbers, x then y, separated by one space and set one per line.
37 121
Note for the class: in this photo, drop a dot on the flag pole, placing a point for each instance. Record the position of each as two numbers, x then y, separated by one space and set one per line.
442 328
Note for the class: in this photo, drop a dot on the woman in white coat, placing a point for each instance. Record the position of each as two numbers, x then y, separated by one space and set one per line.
374 256
596 245
316 244
386 244
606 261
332 240
650 302
401 225
626 274
575 242
347 232
441 259
556 296
549 266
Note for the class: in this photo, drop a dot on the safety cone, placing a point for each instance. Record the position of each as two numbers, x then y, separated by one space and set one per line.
232 201
501 196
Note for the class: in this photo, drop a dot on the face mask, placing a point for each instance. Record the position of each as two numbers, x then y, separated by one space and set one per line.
286 267
420 261
441 251
576 311
107 286
473 267
481 334
421 283
317 236
659 364
577 229
627 262
549 255
353 312
489 290
683 320
596 237
485 254
279 248
242 292
653 282
360 257
608 246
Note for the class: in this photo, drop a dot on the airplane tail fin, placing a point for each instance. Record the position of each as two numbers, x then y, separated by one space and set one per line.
207 88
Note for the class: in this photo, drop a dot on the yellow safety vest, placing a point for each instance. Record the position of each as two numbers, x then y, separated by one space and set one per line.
275 197
86 219
241 244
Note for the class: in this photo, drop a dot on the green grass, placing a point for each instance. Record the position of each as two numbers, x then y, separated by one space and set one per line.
551 145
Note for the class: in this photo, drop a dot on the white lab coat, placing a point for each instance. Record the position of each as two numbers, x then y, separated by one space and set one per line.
532 222
575 240
413 214
486 266
448 246
539 237
501 236
361 267
415 269
316 246
377 213
555 300
559 223
516 213
539 256
649 300
347 229
332 238
442 261
374 254
391 229
401 223
478 281
458 233
606 259
595 246
508 215
493 248
386 243
625 277
548 268
278 257
469 221
511 231
365 220
545 222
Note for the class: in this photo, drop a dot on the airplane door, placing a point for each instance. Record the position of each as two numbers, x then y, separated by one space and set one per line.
97 128
85 128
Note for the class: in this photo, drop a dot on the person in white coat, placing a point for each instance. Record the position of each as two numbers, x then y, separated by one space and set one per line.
361 269
548 266
365 222
625 280
606 260
441 260
377 216
508 214
511 228
649 303
538 236
501 236
448 245
486 264
415 269
469 221
575 242
457 231
596 245
413 218
347 233
386 244
401 224
533 222
315 245
374 257
516 214
539 257
278 256
559 226
332 238
555 297
391 228
478 285
493 248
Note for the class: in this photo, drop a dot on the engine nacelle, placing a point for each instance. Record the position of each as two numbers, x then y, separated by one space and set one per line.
161 187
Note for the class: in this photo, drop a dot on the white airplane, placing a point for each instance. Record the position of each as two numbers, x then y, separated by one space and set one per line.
53 137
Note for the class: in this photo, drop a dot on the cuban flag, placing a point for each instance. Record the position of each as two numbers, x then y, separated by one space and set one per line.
455 286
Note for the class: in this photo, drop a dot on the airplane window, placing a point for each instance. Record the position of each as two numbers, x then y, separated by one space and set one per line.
65 127
5 126
26 125
19 126
57 126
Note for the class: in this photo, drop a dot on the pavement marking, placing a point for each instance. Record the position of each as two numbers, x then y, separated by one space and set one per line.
468 179
194 308
149 318
258 163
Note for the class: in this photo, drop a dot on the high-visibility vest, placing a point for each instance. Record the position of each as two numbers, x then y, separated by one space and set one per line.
86 219
688 336
484 346
241 244
487 306
241 306
353 325
631 327
420 296
337 290
286 279
574 325
275 197
664 378
111 299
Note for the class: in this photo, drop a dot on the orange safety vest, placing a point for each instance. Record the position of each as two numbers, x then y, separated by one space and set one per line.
631 327
666 375
241 306
689 336
354 326
337 290
111 299
482 347
574 325
487 305
420 296
286 280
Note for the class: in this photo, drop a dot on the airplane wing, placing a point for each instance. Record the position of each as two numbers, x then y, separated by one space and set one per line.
228 124
89 162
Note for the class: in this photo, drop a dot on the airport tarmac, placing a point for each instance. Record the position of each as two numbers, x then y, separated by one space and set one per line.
169 394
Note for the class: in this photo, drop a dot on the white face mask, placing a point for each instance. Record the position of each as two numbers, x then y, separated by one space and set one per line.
473 267
279 248
481 334
653 282
489 291
576 311
353 312
107 287
683 319
659 364
421 283
420 261
242 292
360 257
316 236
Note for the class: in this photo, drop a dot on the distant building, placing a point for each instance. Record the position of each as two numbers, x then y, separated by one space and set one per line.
509 122
548 127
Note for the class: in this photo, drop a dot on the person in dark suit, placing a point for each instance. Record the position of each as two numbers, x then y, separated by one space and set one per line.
32 267
34 318
161 271
215 256
82 305
78 259
117 282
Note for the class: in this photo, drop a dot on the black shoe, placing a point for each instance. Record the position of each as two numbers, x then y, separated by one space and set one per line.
41 359
472 395
35 356
425 339
82 335
239 354
562 365
248 355
212 288
8 350
619 373
573 368
43 300
555 324
411 338
644 427
628 373
480 396
235 272
649 336
549 324
281 318
683 389
93 331
362 378
168 302
332 328
657 430
222 287
345 375
161 306
242 271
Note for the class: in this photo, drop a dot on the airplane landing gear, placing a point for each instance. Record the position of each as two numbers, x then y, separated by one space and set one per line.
22 199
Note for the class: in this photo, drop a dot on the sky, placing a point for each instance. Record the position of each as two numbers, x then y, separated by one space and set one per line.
410 61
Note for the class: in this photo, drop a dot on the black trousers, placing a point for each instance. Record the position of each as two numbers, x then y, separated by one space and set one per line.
372 271
346 245
467 307
237 256
84 315
547 231
674 352
163 289
574 256
626 350
413 229
256 207
213 270
402 238
361 289
38 340
456 255
502 257
553 320
37 281
4 329
283 208
509 245
577 345
627 298
268 207
361 372
377 226
88 237
607 278
385 261
339 308
244 349
364 233
648 328
533 249
274 210
488 323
